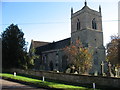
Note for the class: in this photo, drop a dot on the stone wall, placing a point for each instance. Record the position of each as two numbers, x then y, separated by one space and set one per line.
73 78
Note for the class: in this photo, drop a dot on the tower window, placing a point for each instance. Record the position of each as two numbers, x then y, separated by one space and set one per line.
94 24
78 25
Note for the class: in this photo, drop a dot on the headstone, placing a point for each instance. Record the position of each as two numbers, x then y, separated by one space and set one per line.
109 70
102 68
57 71
76 72
73 69
116 71
96 73
68 70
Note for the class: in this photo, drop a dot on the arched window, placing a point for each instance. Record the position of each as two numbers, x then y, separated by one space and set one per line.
78 25
94 24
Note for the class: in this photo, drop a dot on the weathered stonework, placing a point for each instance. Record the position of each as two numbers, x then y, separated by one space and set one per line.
89 36
86 25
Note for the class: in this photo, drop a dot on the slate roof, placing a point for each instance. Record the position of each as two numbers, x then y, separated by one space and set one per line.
35 44
52 46
39 43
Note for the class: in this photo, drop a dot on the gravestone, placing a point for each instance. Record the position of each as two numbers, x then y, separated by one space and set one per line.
116 72
79 70
76 72
109 70
102 68
96 73
68 70
72 69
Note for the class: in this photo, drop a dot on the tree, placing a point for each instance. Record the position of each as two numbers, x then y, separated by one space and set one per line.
13 47
31 57
79 56
113 50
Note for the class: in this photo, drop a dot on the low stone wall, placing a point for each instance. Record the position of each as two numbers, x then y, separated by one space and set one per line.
74 78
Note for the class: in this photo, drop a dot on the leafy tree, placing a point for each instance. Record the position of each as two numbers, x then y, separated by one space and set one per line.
79 56
113 50
31 57
13 47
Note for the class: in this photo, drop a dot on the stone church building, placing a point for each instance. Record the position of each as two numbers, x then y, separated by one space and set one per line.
86 25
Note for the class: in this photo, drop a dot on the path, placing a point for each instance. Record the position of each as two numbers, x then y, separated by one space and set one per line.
9 85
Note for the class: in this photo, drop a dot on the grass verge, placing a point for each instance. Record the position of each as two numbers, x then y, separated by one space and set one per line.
40 83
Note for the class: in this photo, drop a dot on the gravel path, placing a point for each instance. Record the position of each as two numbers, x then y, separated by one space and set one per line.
9 85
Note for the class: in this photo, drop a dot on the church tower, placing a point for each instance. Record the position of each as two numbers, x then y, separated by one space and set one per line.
86 26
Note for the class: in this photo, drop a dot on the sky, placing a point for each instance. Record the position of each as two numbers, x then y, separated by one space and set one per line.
119 18
49 20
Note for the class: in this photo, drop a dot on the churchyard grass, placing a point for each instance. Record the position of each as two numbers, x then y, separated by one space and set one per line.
41 83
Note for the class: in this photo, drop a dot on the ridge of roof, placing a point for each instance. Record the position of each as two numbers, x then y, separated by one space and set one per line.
54 45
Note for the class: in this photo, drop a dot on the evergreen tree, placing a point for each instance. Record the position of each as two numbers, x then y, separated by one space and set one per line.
13 47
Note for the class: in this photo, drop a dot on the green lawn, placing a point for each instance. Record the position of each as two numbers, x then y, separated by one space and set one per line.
38 82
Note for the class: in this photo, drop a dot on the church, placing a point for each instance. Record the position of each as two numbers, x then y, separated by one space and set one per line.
86 26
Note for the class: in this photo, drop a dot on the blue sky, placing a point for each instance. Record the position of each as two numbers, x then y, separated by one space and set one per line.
50 21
